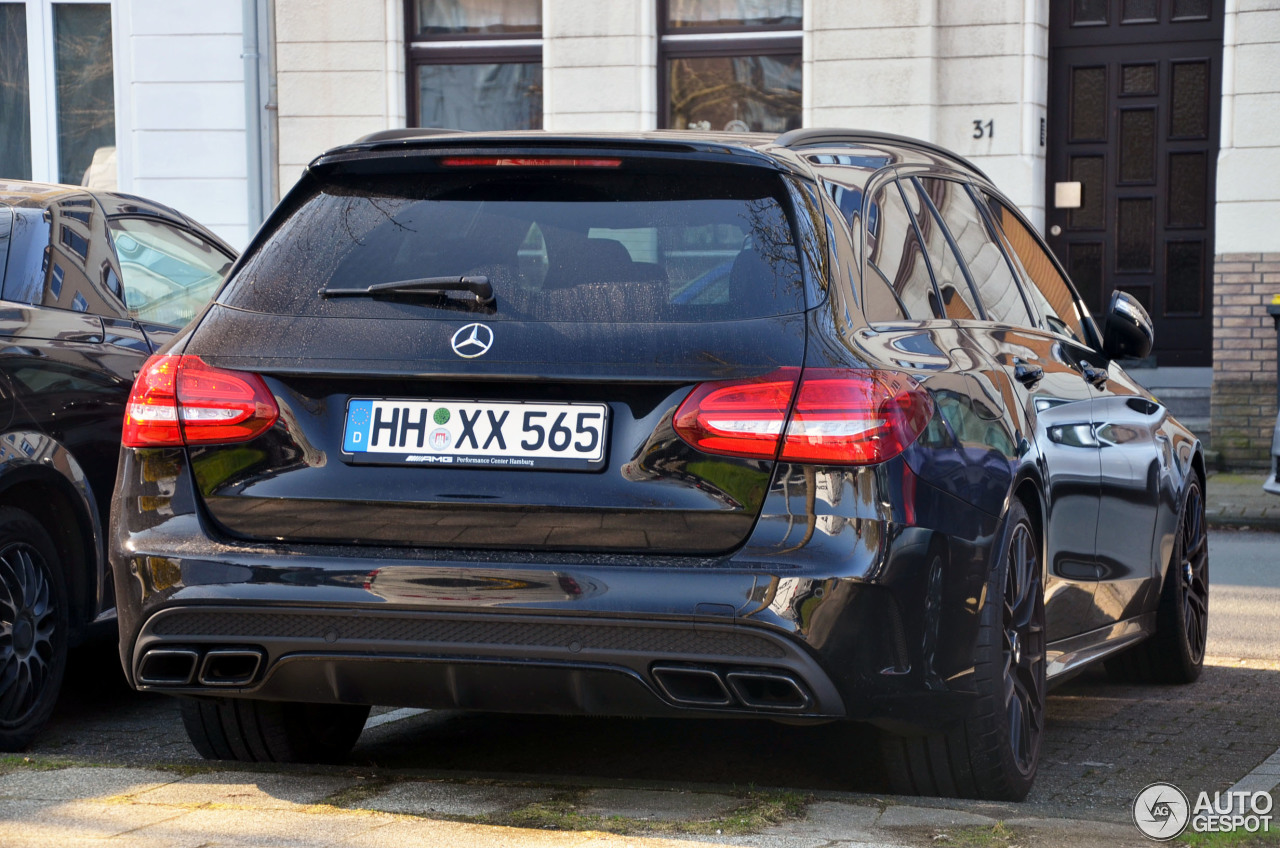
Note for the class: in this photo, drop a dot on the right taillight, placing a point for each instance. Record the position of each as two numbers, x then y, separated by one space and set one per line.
848 417
840 416
182 400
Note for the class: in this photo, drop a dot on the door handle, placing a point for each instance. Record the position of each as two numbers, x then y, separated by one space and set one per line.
1027 375
1095 376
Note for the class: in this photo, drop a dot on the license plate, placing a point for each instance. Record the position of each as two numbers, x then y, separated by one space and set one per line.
476 434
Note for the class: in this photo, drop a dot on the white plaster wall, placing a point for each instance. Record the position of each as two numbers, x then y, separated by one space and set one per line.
339 75
871 65
180 132
930 69
599 65
1248 190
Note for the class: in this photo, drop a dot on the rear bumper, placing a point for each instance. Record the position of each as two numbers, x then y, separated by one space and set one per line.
858 617
602 640
483 661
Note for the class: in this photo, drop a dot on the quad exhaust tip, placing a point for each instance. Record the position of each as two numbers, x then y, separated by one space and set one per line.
766 691
758 690
699 687
168 667
229 667
220 667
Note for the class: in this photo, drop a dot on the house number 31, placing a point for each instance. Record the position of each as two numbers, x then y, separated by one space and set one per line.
984 129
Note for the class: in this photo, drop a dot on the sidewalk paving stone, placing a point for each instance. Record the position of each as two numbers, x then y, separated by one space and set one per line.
648 804
247 789
905 815
421 798
775 840
75 783
262 828
427 833
832 820
1237 500
58 819
88 842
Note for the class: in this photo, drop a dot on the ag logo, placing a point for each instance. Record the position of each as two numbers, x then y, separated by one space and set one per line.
472 340
1161 812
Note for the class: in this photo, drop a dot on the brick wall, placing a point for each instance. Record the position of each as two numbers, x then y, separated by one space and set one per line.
1243 404
1247 268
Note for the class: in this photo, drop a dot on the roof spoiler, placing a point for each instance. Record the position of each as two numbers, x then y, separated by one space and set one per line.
835 136
404 133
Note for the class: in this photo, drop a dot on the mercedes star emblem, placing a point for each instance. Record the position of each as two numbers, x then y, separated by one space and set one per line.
472 340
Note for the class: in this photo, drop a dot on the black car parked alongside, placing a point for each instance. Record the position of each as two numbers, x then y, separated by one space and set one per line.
810 427
92 283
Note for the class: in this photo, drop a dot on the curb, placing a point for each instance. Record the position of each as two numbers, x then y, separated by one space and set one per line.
1243 522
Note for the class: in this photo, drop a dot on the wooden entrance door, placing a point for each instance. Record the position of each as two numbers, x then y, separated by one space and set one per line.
1134 100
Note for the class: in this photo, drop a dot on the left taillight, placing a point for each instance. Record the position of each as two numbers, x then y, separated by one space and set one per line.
738 417
182 400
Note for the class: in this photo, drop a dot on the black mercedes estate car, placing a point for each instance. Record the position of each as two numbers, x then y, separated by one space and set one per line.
91 284
809 427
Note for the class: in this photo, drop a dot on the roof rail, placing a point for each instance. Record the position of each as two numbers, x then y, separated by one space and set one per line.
827 136
404 133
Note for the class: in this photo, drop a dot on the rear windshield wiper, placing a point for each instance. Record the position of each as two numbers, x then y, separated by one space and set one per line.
477 286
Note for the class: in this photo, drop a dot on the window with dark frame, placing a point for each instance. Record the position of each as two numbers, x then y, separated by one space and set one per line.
474 64
730 65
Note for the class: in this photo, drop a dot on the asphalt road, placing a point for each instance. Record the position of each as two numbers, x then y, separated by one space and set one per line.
1244 594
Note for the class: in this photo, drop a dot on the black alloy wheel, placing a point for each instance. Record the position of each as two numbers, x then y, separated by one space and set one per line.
1175 652
1192 561
994 753
1024 648
33 624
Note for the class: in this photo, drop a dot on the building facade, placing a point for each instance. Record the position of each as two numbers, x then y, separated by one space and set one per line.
1141 135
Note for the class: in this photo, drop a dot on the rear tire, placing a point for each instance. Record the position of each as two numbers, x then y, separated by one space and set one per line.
994 753
272 731
1175 652
33 628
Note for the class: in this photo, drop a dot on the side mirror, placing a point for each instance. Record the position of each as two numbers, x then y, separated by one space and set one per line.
1127 333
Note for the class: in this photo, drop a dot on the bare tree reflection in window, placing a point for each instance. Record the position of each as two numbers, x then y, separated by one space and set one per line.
756 93
15 94
86 92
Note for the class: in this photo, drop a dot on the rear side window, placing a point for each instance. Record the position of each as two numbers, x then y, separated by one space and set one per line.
574 245
925 197
29 253
898 284
61 257
1049 290
997 287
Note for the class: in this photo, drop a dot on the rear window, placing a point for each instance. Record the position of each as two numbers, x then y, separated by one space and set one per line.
169 273
556 244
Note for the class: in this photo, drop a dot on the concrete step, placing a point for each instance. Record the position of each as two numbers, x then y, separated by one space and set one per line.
1199 426
1184 403
1172 378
